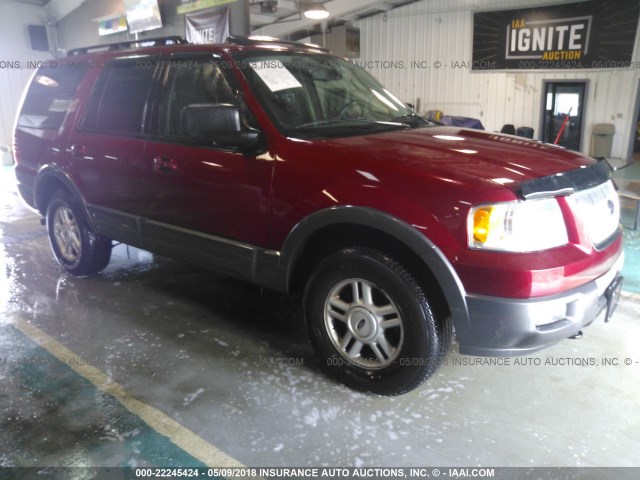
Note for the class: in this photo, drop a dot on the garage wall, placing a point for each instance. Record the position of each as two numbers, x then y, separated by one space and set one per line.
15 55
80 28
441 31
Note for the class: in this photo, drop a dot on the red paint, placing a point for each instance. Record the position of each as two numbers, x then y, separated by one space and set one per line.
428 177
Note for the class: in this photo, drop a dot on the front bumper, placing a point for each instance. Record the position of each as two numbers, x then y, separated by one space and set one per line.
507 326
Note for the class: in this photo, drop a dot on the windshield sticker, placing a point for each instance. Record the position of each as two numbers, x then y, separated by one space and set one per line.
275 75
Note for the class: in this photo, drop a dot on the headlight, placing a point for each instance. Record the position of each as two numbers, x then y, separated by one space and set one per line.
526 226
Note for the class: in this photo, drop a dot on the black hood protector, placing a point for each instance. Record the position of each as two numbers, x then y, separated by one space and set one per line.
566 183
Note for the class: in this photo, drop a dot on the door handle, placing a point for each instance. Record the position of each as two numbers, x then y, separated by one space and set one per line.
78 150
165 165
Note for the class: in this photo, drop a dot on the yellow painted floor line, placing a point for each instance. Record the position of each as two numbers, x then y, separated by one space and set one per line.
184 438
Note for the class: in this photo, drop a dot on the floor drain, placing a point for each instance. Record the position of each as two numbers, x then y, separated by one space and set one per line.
21 237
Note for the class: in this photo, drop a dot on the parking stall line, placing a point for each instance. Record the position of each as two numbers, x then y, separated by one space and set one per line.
182 437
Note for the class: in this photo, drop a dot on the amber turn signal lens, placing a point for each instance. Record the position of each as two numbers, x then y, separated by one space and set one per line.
481 220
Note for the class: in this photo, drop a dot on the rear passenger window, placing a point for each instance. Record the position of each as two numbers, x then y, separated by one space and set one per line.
50 97
117 104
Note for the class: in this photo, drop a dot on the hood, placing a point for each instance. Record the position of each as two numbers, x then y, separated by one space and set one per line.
468 155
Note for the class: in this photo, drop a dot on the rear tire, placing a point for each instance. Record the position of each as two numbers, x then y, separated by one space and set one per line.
371 323
78 249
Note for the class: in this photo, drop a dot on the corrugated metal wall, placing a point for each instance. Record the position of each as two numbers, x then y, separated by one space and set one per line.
422 52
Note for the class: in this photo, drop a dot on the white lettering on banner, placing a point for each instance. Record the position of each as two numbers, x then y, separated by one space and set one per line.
206 35
548 39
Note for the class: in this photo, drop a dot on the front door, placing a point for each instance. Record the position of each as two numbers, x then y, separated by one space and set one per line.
562 122
201 191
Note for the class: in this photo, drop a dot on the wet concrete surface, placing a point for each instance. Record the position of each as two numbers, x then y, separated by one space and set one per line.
232 364
52 416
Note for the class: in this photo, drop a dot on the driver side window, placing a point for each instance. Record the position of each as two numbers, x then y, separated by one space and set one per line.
192 84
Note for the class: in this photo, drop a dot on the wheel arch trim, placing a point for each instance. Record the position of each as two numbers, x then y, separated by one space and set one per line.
53 172
409 236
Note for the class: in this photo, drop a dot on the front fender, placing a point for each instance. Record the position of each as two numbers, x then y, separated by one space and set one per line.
411 237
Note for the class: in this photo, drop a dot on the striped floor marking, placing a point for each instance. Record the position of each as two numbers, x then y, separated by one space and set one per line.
182 437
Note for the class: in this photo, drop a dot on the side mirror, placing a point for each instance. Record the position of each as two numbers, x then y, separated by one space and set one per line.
218 123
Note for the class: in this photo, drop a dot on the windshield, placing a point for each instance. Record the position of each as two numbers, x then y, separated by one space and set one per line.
320 95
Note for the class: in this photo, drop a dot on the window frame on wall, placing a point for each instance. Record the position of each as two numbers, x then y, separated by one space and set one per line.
634 135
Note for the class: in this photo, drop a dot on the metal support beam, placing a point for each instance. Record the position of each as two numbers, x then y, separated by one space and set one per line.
239 23
58 9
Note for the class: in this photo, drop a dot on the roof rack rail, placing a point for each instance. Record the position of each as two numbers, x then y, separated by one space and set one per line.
143 42
243 40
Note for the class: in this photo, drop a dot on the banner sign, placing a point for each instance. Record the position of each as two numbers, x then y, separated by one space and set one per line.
593 34
186 6
208 26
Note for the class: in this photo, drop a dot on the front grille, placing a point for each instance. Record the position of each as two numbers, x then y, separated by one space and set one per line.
599 210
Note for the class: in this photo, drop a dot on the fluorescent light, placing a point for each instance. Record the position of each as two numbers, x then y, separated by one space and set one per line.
316 11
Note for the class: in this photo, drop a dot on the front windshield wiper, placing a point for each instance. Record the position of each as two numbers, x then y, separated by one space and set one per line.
413 120
328 121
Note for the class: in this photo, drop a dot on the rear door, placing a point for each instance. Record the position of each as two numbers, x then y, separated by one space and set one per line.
106 150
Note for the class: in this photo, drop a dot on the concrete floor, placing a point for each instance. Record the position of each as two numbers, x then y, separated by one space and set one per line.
155 362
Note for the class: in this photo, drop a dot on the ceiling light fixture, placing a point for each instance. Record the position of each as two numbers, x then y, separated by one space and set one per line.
315 11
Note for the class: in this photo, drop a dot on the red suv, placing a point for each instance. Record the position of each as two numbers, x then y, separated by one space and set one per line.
285 166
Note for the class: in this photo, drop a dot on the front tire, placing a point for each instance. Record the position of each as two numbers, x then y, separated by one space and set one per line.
371 323
78 249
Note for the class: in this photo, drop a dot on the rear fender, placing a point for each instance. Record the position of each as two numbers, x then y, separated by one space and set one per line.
49 179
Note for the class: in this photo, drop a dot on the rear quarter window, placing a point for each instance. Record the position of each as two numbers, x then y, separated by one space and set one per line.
49 97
